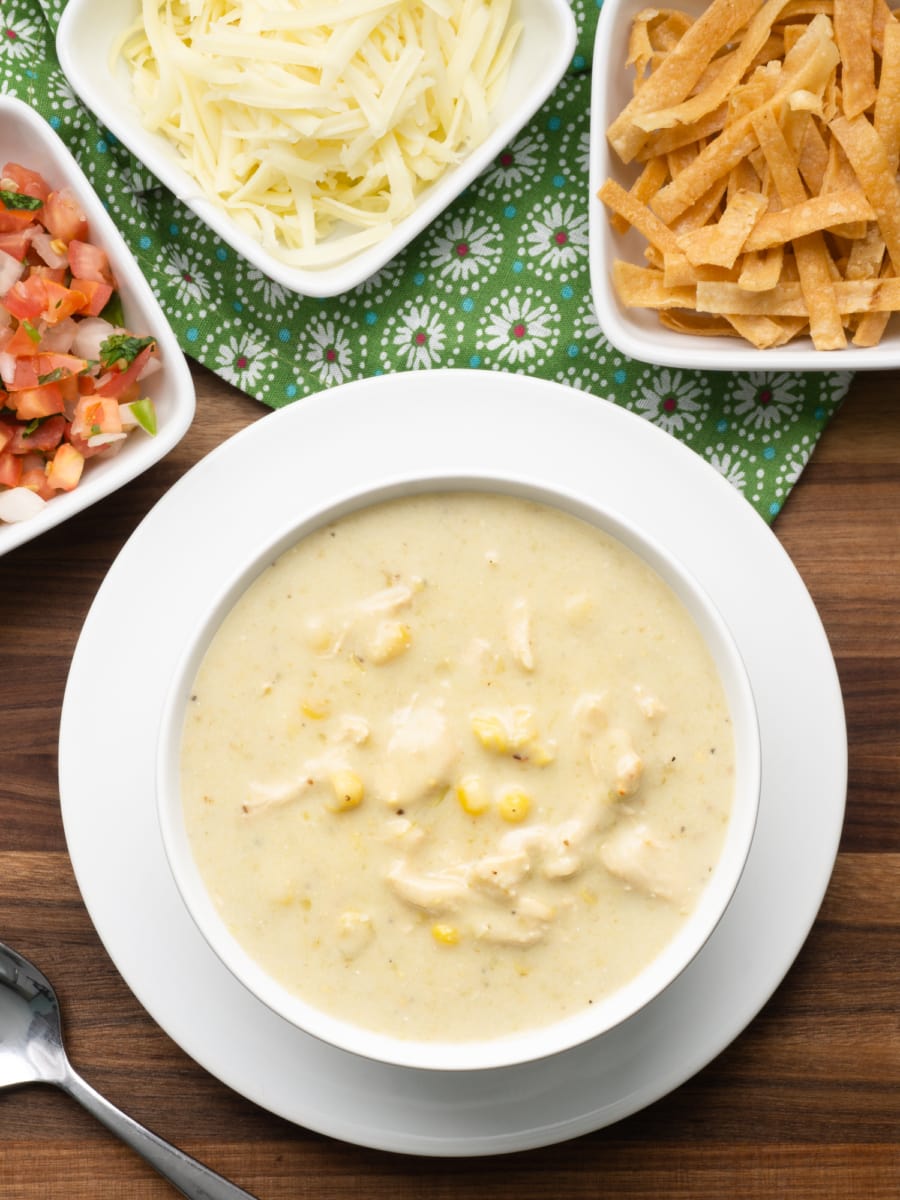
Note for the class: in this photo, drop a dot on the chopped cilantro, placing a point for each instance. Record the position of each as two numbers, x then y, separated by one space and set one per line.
52 376
95 429
31 427
122 349
34 334
20 200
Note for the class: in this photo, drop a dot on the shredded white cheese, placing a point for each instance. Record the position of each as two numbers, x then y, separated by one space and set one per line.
315 124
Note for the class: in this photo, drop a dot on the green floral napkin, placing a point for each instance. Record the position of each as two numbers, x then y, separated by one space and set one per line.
499 281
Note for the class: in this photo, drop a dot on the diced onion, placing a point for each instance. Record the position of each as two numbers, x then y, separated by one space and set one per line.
90 335
19 504
10 271
304 120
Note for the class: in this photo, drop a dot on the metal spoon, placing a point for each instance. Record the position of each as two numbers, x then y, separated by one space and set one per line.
31 1051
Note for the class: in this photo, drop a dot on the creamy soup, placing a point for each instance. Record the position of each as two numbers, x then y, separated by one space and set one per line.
456 765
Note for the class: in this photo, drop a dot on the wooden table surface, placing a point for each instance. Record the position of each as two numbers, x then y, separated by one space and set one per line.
806 1103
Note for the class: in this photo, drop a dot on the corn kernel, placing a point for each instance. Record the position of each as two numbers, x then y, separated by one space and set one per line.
348 790
472 796
491 732
315 710
390 640
514 805
447 935
543 755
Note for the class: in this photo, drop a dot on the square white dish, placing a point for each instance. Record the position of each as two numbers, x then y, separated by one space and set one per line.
637 332
25 137
89 30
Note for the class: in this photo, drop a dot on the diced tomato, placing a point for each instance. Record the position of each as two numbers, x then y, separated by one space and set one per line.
54 274
87 261
14 220
62 302
7 433
65 469
27 298
96 295
10 469
29 182
30 371
16 242
119 381
81 445
23 345
39 402
42 439
96 414
63 216
35 479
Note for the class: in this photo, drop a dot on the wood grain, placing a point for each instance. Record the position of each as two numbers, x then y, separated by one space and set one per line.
806 1103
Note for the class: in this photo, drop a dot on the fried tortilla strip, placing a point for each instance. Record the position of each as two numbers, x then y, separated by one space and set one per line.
887 102
669 140
882 16
760 272
726 78
647 184
807 8
853 34
678 73
789 299
813 259
764 332
817 213
813 159
719 245
807 67
625 205
871 327
698 324
641 287
868 157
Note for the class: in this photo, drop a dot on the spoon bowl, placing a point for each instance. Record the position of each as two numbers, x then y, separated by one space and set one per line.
32 1051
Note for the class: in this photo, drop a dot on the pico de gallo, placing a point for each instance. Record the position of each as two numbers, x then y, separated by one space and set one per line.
70 374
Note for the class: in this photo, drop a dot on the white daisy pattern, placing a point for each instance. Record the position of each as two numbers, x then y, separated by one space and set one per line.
522 159
243 360
671 399
328 351
420 337
521 328
558 235
729 464
762 399
273 294
20 37
190 284
465 248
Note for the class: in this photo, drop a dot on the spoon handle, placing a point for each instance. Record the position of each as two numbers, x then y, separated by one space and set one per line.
189 1176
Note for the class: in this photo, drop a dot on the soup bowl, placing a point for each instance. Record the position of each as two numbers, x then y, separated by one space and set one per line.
550 1035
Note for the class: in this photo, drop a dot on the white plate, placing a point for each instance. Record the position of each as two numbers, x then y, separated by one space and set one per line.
90 30
26 138
637 332
442 424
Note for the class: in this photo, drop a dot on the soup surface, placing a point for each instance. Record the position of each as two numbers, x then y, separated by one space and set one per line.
456 765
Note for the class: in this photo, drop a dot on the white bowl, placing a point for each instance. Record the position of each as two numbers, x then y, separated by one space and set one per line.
25 137
535 1043
637 332
89 29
